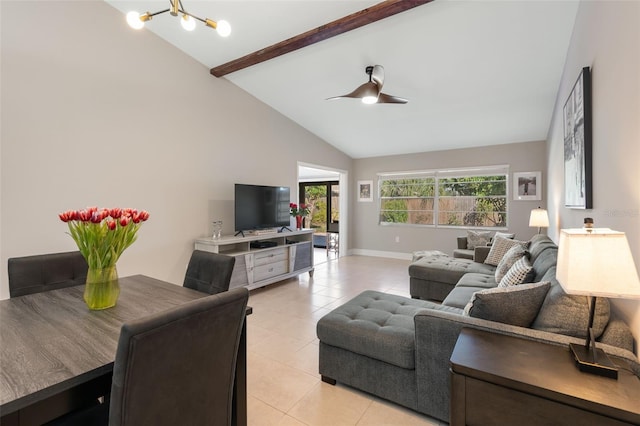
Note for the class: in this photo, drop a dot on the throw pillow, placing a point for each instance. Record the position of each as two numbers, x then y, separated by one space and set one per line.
507 235
521 272
511 256
500 247
517 305
477 239
562 313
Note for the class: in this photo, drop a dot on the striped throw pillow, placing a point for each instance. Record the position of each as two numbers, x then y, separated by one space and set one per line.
500 247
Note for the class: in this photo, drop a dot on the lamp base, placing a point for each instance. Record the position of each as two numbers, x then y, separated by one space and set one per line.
598 363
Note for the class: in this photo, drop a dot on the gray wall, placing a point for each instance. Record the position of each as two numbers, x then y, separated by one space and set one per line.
606 37
96 114
368 237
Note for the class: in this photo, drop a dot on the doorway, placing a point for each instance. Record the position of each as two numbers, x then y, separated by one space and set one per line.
320 189
324 203
322 199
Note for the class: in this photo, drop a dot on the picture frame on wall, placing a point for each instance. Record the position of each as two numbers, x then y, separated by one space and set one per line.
578 144
527 186
365 190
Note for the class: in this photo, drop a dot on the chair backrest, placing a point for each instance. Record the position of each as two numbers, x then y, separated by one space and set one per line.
44 272
209 272
177 367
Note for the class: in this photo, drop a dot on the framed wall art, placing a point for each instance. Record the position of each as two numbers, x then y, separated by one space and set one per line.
365 190
527 186
578 144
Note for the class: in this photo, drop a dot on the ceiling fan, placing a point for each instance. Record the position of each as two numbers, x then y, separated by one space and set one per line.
371 91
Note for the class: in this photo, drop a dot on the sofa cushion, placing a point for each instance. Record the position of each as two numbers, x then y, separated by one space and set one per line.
466 287
516 305
511 256
477 280
539 244
543 262
463 253
376 325
460 296
500 247
521 272
446 269
477 239
569 314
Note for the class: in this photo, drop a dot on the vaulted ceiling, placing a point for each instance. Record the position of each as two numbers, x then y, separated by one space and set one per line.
477 72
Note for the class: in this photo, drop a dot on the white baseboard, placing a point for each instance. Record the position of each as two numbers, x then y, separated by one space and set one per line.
377 253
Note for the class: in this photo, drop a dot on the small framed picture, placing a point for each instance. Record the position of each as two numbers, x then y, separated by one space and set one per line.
527 186
365 190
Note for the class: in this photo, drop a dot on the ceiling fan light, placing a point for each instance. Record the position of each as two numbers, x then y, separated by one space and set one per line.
188 23
369 93
134 20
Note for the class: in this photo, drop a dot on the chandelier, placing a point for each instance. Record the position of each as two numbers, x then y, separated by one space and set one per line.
188 20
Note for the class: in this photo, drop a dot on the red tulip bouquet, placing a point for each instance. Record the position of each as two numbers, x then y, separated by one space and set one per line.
294 210
298 213
102 235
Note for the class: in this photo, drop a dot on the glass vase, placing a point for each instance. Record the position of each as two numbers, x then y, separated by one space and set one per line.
217 229
102 288
298 223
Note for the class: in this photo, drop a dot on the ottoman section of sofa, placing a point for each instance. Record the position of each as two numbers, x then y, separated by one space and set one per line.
376 325
433 277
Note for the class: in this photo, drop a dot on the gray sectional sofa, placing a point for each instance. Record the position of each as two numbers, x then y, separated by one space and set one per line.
398 348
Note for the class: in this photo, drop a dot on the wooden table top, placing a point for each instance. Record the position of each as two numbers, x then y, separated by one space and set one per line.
51 341
545 370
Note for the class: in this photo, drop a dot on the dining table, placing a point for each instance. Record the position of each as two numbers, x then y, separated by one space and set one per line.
57 355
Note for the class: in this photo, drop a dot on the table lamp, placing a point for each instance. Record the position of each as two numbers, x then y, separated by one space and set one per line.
596 262
539 218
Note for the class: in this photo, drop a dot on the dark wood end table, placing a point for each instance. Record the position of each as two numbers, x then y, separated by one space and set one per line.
501 380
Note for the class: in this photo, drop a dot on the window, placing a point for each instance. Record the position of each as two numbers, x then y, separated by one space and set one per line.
408 199
466 197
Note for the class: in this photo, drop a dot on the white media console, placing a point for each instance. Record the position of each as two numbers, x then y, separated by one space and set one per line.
290 254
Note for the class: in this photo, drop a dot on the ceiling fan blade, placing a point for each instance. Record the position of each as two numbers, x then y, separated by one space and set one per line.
367 89
383 98
378 75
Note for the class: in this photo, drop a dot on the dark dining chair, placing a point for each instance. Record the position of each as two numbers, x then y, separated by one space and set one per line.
209 272
175 367
44 272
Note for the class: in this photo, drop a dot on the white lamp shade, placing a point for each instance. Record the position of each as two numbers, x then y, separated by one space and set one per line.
597 263
539 218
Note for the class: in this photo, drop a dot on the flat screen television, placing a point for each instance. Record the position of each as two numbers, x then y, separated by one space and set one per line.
261 207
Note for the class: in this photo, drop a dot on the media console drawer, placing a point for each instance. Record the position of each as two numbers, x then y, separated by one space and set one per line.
270 270
270 256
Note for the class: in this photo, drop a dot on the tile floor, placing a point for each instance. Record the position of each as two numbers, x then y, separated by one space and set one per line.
284 387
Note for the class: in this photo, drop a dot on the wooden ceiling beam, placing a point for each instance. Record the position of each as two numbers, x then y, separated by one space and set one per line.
337 27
